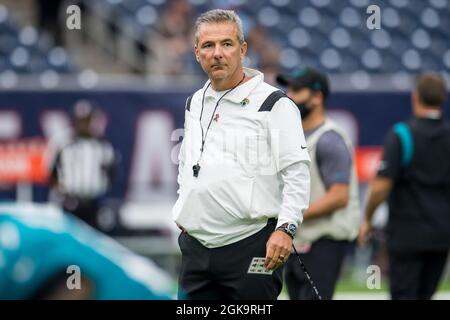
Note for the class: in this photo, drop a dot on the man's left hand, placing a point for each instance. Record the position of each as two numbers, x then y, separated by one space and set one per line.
278 249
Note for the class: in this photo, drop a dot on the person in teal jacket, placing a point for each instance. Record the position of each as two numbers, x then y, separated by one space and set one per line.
42 251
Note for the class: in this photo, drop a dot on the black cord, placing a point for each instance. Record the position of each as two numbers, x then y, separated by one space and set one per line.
215 108
197 166
316 292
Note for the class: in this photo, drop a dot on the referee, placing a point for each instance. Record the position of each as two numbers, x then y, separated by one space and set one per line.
83 168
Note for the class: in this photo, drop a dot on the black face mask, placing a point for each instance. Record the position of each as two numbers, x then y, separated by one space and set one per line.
305 111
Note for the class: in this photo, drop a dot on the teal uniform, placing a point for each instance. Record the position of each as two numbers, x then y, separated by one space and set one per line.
37 245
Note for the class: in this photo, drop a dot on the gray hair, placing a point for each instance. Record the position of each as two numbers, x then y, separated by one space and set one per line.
218 16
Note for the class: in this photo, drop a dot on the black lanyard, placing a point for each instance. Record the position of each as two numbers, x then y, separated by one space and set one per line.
196 168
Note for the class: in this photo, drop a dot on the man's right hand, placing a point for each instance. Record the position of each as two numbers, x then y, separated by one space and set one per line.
365 232
278 249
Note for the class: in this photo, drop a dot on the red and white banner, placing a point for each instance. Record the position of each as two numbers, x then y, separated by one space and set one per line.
23 161
367 162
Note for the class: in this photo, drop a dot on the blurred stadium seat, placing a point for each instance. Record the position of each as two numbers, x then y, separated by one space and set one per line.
26 51
415 35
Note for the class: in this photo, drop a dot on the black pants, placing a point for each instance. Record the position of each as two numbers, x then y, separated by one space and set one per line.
415 275
323 262
85 210
221 273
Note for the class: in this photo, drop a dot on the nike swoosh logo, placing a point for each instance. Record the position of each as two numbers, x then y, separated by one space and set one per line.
303 147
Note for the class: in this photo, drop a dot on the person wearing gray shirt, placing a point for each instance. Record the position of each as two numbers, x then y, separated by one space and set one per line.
331 221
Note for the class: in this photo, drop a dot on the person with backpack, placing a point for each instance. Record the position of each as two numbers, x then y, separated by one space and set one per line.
414 177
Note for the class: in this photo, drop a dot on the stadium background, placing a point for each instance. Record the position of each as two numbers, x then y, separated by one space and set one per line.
135 59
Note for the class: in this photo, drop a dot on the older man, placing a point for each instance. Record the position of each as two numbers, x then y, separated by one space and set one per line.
243 173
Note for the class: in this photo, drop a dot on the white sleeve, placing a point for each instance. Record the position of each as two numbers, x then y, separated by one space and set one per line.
296 192
287 140
181 157
181 162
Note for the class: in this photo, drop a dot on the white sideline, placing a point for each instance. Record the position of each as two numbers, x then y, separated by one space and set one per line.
443 295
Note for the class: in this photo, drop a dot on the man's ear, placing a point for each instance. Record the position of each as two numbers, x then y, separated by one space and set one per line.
320 97
196 53
243 49
317 98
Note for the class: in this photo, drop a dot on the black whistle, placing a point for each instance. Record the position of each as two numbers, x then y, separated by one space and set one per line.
196 170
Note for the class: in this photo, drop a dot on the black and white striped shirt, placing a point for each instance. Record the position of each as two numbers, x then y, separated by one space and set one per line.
83 168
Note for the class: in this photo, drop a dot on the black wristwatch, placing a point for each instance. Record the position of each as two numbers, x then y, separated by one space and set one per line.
288 228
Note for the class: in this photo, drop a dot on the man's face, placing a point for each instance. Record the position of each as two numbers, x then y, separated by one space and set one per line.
307 100
83 126
300 95
218 50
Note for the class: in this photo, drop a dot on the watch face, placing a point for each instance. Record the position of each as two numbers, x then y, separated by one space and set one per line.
292 228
